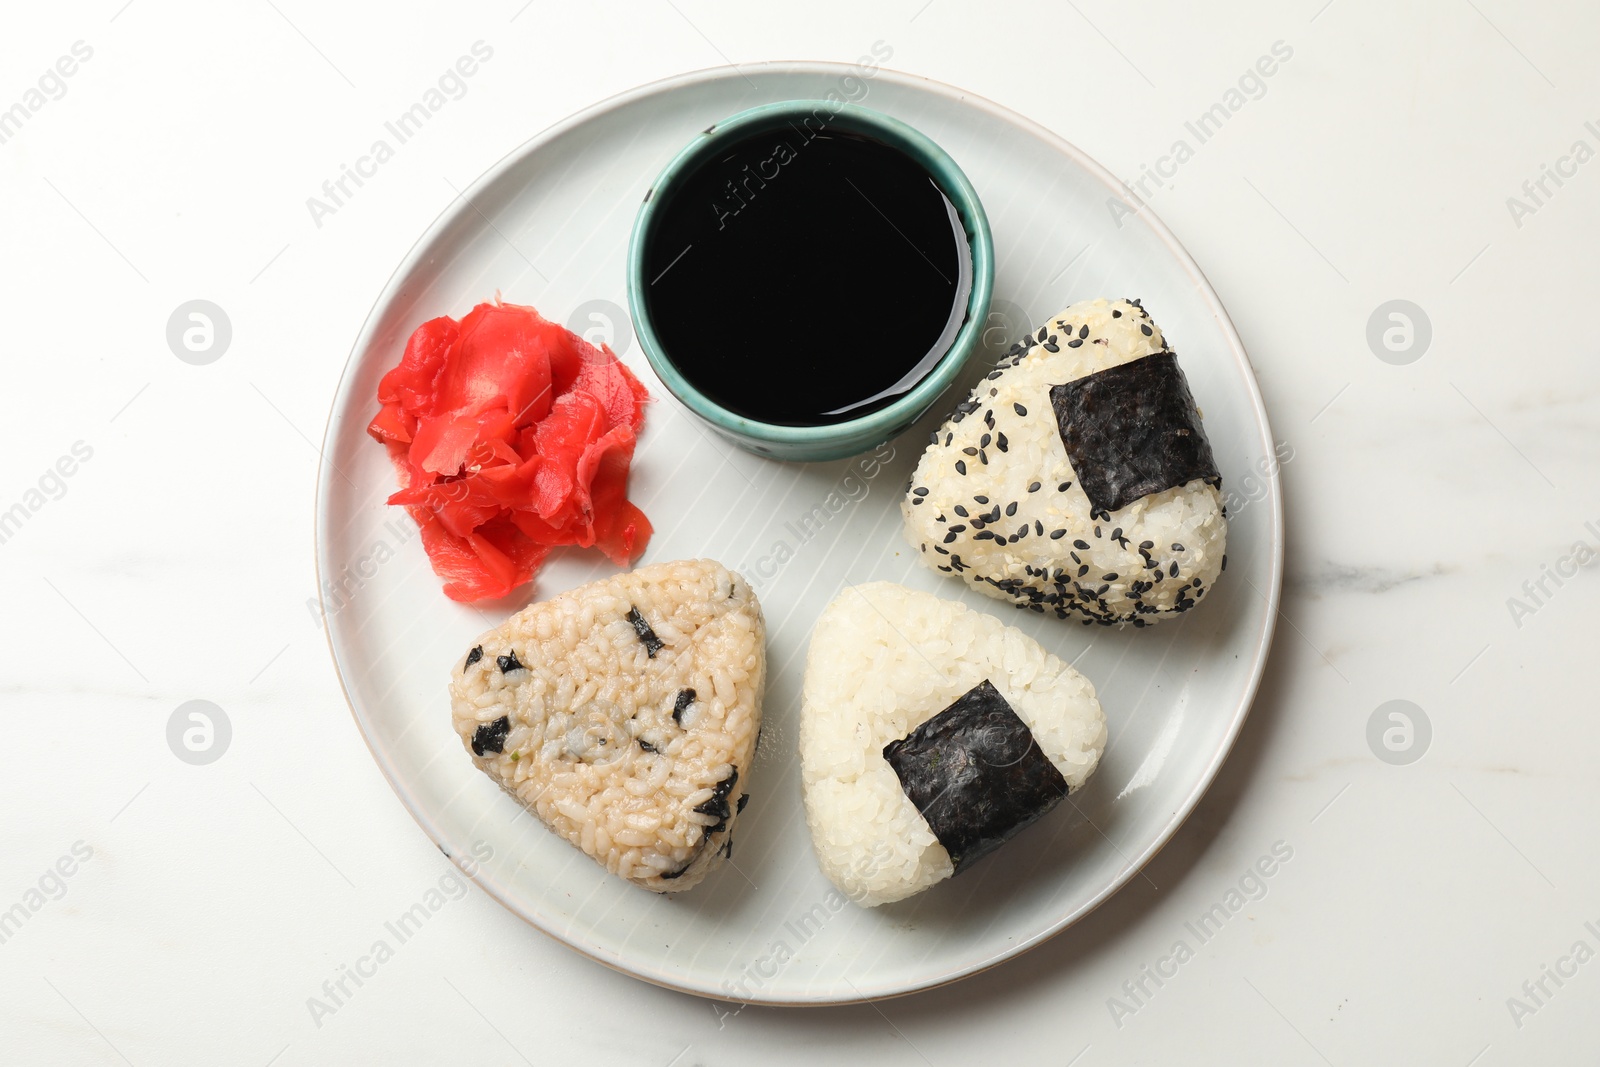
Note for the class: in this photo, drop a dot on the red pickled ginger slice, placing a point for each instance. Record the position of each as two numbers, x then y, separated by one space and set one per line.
511 436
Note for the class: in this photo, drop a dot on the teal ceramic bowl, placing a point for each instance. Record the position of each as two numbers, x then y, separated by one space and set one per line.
853 436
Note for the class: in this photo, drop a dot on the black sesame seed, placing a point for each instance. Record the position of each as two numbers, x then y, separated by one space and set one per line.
1176 547
1011 508
1109 577
983 442
983 457
472 657
1083 570
1038 527
1144 329
1063 487
959 510
921 490
969 451
1033 487
981 499
1097 532
1080 543
1116 314
1084 332
949 538
988 419
1174 570
1074 343
1001 443
961 467
508 662
1044 331
1145 546
916 500
1019 409
948 438
1056 535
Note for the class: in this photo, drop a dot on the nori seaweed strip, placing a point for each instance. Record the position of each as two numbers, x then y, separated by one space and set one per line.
472 657
491 736
1132 430
652 643
508 662
975 774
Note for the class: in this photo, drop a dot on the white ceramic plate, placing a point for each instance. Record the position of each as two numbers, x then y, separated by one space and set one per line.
548 226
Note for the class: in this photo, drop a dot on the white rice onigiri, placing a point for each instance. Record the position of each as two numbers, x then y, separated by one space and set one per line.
995 500
624 715
883 660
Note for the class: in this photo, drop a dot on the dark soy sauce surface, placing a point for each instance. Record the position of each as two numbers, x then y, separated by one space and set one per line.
807 277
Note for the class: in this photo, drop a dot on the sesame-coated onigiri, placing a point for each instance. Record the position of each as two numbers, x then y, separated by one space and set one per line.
1076 478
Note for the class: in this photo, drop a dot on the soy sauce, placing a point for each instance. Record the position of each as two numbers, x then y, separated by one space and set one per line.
806 276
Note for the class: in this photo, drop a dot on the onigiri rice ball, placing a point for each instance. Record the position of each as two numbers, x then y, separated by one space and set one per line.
929 735
1133 532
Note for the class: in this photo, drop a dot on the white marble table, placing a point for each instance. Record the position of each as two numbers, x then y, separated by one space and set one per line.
1433 896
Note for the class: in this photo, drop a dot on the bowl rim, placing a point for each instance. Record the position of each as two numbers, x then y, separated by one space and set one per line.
908 407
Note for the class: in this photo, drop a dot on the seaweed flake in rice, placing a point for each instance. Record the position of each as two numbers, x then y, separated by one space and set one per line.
1108 476
624 715
930 734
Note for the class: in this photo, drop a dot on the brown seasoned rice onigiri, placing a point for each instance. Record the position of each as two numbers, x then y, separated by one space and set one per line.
624 715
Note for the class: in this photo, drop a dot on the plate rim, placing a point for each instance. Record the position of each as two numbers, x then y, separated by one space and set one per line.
955 94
